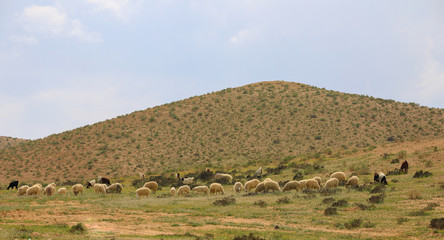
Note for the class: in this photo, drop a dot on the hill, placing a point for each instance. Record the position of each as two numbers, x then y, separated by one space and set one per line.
6 142
246 126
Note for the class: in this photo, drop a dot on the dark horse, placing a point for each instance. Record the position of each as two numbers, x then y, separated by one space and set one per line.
13 184
405 167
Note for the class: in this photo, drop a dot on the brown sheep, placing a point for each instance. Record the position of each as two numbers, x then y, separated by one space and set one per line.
339 175
77 189
312 184
352 182
271 185
143 192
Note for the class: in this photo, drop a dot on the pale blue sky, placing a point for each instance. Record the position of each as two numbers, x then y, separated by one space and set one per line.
65 64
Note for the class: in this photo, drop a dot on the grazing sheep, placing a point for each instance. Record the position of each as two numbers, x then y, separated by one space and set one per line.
216 188
22 190
251 184
267 179
331 183
49 190
271 185
62 191
238 187
173 191
34 190
405 167
143 192
260 187
77 189
318 179
100 188
183 190
114 188
104 180
218 176
188 180
141 176
91 183
352 182
303 184
312 184
152 185
258 172
291 185
201 189
380 178
13 184
339 175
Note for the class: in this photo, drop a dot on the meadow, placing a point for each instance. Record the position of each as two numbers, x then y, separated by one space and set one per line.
405 211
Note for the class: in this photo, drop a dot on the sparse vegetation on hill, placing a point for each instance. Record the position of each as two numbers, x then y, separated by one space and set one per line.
236 127
6 142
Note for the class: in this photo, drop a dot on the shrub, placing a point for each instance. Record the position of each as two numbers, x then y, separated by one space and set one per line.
78 228
328 200
354 223
260 203
340 203
421 174
283 200
330 211
376 198
248 237
401 220
225 201
437 223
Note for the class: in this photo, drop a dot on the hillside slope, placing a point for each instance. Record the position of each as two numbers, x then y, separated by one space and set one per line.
253 124
6 142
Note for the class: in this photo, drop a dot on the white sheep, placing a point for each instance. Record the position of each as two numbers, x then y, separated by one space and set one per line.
188 180
49 190
173 191
238 187
303 184
260 187
143 192
318 179
152 185
339 175
352 182
251 184
22 190
33 190
183 190
62 191
216 188
312 184
114 188
218 176
291 185
271 185
100 188
331 183
201 189
77 189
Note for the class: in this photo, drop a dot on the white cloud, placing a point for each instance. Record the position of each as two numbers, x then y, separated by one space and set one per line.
28 40
431 85
116 7
44 19
246 35
52 21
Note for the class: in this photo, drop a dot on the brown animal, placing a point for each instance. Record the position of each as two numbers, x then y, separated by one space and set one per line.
405 167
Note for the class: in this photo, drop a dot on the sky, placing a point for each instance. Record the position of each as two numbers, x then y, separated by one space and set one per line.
66 64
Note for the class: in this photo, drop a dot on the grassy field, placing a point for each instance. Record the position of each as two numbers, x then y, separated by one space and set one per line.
408 206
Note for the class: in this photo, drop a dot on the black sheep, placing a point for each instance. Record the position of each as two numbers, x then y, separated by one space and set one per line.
13 184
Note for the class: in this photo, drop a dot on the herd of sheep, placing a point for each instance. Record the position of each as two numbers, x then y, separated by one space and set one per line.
104 186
